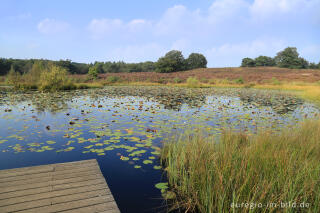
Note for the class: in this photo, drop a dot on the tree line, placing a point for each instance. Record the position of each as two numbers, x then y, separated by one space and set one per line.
287 58
173 61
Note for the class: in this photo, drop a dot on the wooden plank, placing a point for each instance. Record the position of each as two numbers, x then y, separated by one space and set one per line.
72 205
53 201
68 187
49 183
44 169
49 188
49 177
10 201
71 171
110 207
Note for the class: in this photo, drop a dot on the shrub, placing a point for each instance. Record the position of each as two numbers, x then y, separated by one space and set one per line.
193 82
275 81
249 85
93 72
55 78
212 81
177 80
239 81
13 77
112 79
161 81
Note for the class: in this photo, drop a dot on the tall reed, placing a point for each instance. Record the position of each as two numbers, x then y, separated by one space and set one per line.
239 173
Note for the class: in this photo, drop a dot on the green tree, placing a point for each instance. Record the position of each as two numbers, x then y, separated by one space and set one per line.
99 66
196 60
313 66
289 58
248 62
68 65
173 61
264 61
303 63
93 72
4 66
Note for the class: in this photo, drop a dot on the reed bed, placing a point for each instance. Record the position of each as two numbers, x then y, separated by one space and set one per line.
266 172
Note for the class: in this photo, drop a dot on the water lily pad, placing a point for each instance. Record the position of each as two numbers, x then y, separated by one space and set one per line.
147 161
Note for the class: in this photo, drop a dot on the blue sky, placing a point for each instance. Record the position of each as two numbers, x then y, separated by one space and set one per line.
225 31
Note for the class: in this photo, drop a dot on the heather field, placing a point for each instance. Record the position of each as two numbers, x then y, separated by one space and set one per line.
248 74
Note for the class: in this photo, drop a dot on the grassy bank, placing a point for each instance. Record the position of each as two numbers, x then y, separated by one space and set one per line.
211 176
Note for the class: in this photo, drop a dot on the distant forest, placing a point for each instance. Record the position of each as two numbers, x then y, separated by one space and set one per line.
173 61
24 66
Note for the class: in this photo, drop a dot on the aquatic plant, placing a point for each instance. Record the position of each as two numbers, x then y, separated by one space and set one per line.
240 169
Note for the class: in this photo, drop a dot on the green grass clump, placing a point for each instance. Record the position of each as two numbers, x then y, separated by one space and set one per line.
275 81
177 80
193 82
239 81
112 80
210 176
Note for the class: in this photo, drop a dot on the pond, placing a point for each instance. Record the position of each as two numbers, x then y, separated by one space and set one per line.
123 128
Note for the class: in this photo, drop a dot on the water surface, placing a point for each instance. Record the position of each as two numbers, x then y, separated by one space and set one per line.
122 127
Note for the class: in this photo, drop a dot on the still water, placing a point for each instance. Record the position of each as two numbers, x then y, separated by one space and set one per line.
124 127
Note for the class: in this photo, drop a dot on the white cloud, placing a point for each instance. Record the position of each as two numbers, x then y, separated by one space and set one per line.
137 53
220 56
178 21
269 8
220 10
137 25
100 28
52 26
228 30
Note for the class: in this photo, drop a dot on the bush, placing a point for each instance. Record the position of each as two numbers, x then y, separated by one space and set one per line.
212 81
93 72
13 77
193 82
239 81
112 79
55 78
275 81
177 80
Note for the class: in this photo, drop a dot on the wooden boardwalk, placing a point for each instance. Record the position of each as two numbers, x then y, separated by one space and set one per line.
75 187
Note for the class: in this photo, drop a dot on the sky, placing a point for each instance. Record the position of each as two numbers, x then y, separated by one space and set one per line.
225 31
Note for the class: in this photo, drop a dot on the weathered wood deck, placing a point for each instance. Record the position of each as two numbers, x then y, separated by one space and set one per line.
73 187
